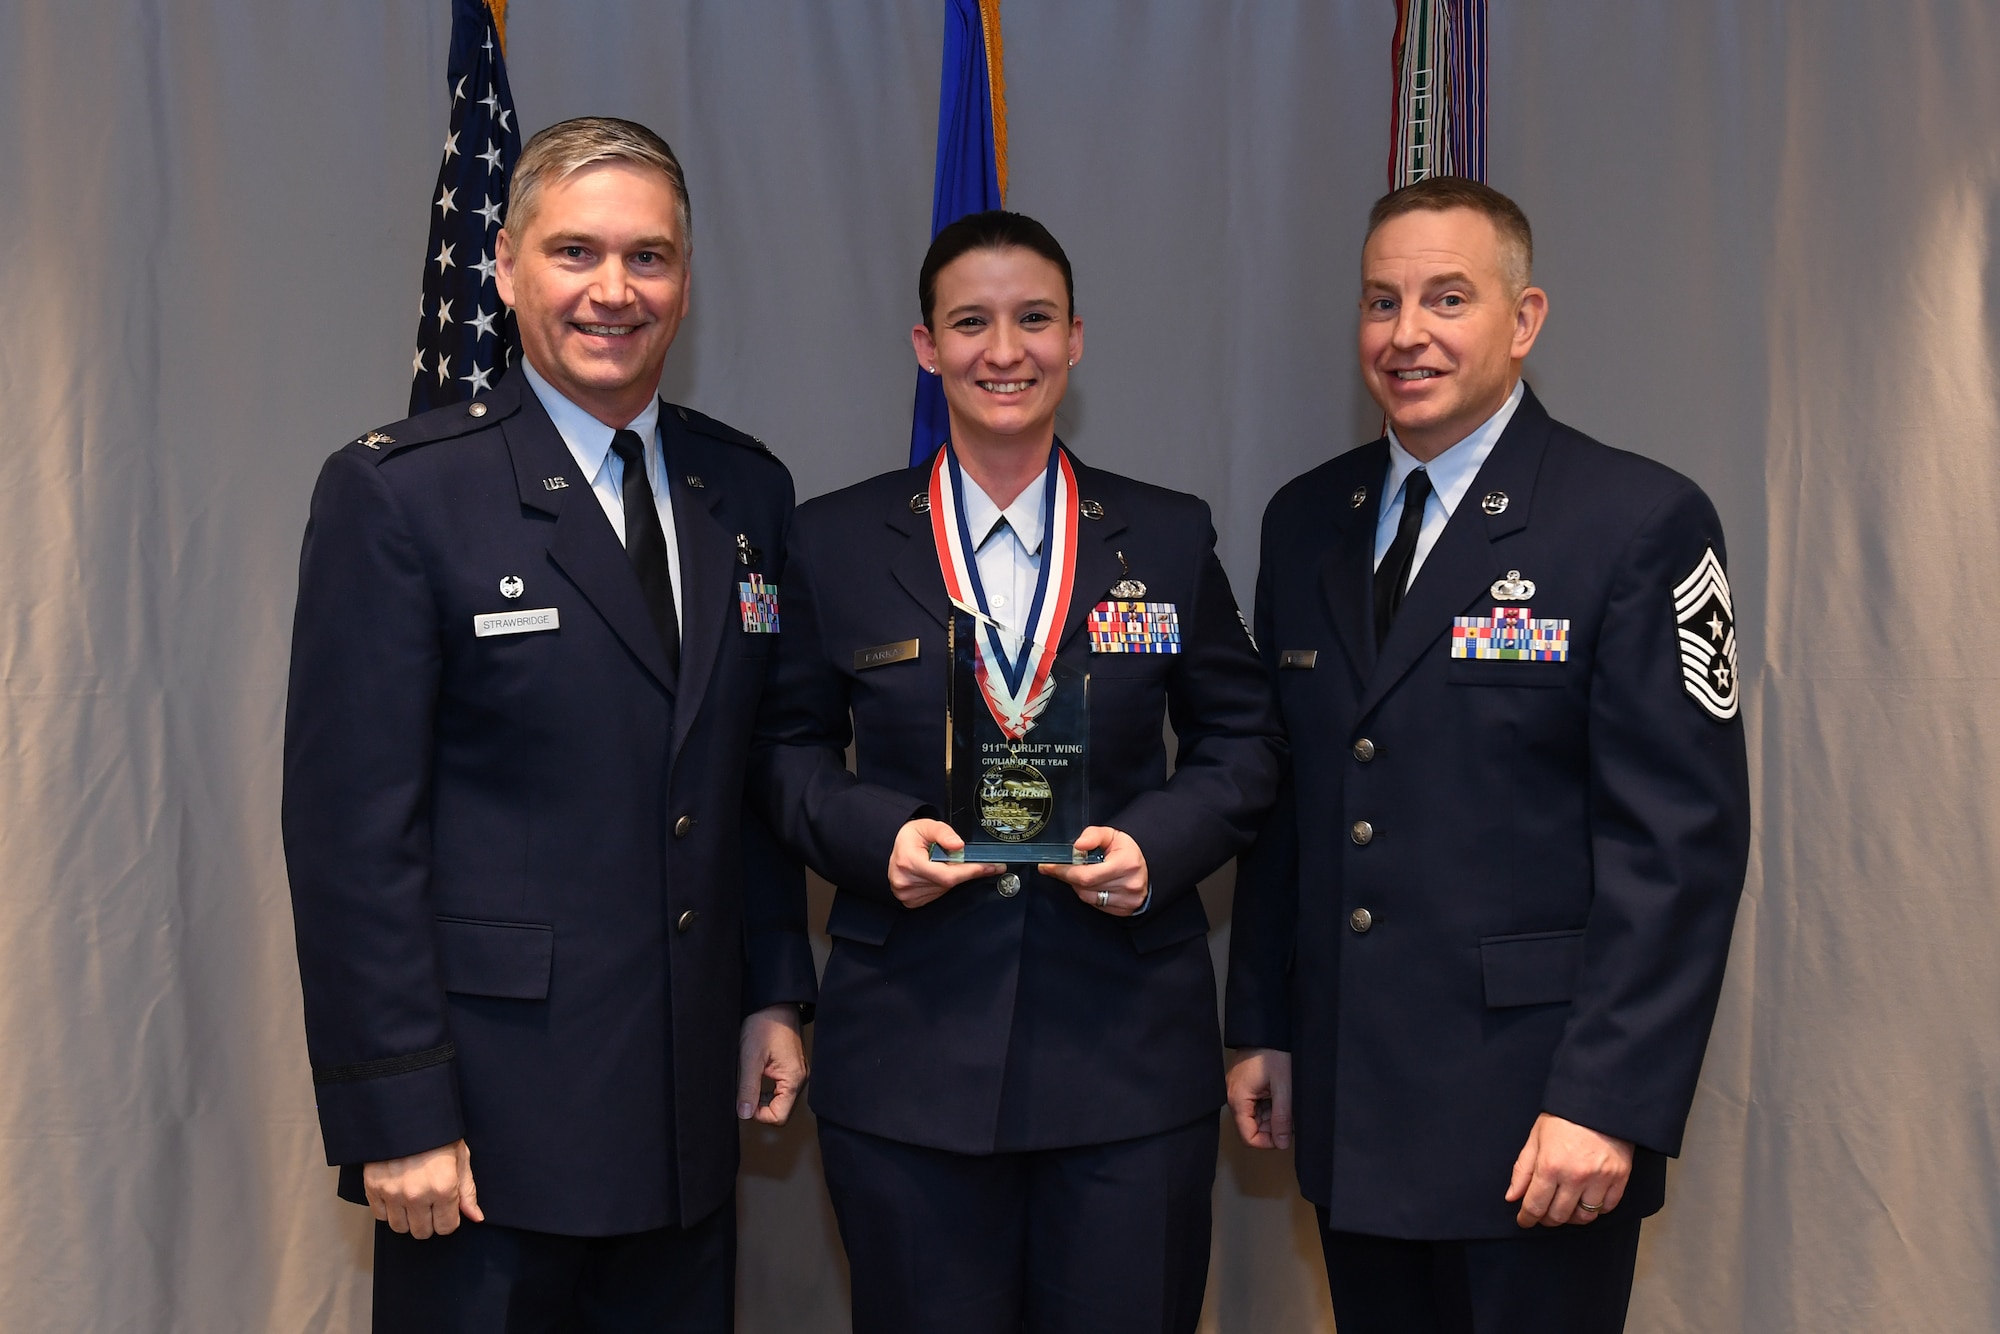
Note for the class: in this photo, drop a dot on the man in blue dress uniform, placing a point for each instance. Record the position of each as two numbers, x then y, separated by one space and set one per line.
547 960
1478 947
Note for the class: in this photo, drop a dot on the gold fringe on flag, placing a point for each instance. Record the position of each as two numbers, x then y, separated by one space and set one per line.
498 9
996 79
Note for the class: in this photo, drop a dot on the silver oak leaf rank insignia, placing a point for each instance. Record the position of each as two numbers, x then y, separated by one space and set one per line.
1707 627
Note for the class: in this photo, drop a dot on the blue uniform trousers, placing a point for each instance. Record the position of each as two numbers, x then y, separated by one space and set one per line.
1562 1280
1104 1238
489 1279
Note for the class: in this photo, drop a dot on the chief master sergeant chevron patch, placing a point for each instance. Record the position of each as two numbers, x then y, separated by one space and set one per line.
1708 638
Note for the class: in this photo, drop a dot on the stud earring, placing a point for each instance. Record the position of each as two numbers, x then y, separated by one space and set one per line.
931 369
1072 361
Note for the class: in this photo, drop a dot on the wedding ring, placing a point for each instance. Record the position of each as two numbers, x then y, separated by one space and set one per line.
1588 1208
1104 898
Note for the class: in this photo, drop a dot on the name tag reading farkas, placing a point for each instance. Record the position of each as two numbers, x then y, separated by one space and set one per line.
515 622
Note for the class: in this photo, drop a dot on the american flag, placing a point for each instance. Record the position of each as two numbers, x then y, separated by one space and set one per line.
465 336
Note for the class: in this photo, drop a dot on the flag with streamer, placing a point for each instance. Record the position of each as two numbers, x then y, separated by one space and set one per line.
465 337
1439 69
971 175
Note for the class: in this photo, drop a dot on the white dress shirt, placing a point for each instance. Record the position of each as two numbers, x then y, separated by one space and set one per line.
1451 477
1007 548
589 442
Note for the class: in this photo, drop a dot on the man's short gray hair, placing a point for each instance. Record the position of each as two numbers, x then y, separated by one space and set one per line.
562 150
1436 194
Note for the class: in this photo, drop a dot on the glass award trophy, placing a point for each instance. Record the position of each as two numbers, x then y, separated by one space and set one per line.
1020 798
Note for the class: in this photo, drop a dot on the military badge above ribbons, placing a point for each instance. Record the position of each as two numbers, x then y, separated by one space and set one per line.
1707 628
1017 721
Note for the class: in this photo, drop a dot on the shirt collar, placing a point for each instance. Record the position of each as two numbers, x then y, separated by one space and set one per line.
1452 471
589 439
1024 516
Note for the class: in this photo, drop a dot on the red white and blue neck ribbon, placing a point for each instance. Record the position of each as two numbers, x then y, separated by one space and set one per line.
1016 684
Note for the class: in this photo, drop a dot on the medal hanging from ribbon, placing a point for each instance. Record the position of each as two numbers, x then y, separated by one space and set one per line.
1015 684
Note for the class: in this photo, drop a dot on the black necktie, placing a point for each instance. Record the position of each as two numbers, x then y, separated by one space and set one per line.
1392 576
646 544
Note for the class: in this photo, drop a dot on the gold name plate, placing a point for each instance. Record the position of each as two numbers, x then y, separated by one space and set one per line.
883 654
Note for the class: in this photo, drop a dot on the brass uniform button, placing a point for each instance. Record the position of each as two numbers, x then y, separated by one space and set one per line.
1364 750
476 410
687 919
1010 885
684 826
1362 833
1360 920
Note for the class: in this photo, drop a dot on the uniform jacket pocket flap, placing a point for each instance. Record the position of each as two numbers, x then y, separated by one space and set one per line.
865 920
508 959
1492 672
1183 919
1535 969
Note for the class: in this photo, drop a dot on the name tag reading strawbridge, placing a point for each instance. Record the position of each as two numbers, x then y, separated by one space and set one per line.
515 622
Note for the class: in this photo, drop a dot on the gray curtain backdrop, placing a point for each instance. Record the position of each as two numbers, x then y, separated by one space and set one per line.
1767 228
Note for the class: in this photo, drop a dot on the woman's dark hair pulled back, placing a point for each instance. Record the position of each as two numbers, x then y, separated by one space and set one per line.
995 229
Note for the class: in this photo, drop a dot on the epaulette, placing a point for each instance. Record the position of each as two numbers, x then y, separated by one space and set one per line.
445 423
709 426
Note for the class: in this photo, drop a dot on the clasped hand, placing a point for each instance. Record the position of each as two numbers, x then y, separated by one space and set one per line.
1564 1167
1121 877
424 1193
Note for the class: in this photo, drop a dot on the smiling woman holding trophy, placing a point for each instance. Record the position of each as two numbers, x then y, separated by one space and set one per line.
1017 1069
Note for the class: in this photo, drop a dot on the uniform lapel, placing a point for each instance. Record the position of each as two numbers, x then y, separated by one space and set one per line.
1347 570
708 565
1462 565
585 546
916 565
1097 563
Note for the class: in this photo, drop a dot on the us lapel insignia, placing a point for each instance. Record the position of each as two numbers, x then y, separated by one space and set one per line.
1494 503
554 483
1707 626
1090 509
694 483
1513 588
1358 499
759 604
1510 634
920 503
1119 626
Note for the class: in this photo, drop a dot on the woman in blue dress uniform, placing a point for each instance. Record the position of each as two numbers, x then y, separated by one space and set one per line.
1017 1067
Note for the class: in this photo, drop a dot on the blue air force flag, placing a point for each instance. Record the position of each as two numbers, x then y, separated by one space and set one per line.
971 171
